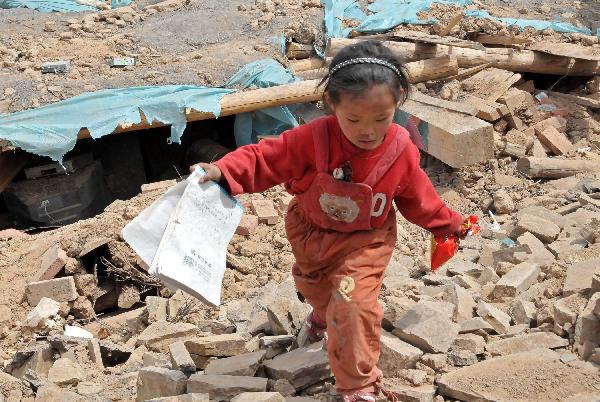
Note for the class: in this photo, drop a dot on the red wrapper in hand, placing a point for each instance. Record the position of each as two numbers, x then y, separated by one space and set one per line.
444 248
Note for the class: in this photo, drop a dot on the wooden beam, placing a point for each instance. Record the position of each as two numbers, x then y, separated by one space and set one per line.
490 84
552 168
422 37
580 100
486 110
459 107
11 163
452 23
308 64
502 40
299 51
571 50
454 138
526 61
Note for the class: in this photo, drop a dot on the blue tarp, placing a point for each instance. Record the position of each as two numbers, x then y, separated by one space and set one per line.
119 3
51 130
48 6
336 11
539 25
271 121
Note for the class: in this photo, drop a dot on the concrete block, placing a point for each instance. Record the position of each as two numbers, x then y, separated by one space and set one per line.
301 367
265 210
159 335
541 228
498 319
60 290
181 359
396 355
65 371
523 312
579 276
427 329
225 387
517 280
155 382
242 365
218 345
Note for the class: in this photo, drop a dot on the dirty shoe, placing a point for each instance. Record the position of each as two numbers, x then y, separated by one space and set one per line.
359 396
315 328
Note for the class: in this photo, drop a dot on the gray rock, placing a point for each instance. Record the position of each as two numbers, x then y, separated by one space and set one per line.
301 367
225 387
242 365
156 382
427 329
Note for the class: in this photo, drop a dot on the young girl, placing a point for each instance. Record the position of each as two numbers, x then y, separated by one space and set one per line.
345 170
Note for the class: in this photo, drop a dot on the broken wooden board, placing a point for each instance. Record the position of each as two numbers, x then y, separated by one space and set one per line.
518 101
452 23
571 50
502 40
422 37
454 138
11 163
454 106
491 83
486 110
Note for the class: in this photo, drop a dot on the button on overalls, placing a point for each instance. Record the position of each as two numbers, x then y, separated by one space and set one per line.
340 260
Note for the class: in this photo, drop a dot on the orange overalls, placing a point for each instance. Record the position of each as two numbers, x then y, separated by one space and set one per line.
340 261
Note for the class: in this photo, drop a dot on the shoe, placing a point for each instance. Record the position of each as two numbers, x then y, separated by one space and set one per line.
359 396
315 328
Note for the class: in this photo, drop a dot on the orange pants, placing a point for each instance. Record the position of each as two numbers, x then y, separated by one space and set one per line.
325 260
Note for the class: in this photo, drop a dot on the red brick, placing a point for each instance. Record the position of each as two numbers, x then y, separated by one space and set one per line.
557 142
53 260
247 225
266 212
60 290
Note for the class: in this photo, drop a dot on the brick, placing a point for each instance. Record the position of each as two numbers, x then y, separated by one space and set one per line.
558 142
225 387
159 335
396 355
266 212
155 382
301 367
524 343
517 280
498 319
428 329
52 261
579 277
557 122
218 345
181 359
242 365
248 225
60 290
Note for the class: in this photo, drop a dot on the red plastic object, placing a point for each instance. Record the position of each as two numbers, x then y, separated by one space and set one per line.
443 248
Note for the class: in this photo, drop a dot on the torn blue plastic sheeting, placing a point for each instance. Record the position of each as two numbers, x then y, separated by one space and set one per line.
119 3
336 11
51 130
388 14
48 6
539 25
271 121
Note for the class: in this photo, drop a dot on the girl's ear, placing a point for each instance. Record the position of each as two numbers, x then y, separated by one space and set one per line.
328 103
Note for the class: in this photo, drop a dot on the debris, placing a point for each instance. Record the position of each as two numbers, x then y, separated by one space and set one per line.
462 357
241 365
155 382
159 335
39 316
181 359
225 387
552 168
472 342
60 290
266 212
554 140
121 61
579 276
524 343
396 355
52 262
301 367
56 67
217 345
157 308
65 371
517 280
259 397
499 320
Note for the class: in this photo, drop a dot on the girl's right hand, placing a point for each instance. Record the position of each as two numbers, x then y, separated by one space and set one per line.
212 172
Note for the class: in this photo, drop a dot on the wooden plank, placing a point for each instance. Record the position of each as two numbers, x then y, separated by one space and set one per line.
422 37
491 83
486 110
11 163
502 40
571 50
454 106
454 138
526 61
308 64
580 100
452 23
558 142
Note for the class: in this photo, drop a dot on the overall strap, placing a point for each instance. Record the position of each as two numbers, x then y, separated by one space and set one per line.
389 157
320 135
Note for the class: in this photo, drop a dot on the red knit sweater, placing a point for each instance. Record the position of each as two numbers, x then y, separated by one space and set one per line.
290 160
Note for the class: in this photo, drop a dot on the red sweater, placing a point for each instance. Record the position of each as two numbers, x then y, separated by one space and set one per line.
290 160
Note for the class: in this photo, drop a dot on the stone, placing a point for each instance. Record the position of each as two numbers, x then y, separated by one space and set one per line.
179 302
183 398
87 388
587 327
181 359
52 393
517 280
113 354
540 255
265 210
436 361
396 355
515 254
463 302
39 316
498 319
157 308
259 397
53 260
475 324
154 359
522 312
287 316
541 228
60 290
94 352
472 342
248 225
218 345
427 329
567 309
129 295
284 387
160 334
65 371
158 185
464 267
276 345
524 343
86 284
462 357
302 367
225 387
39 358
407 393
579 276
83 308
544 213
503 202
156 382
487 380
243 365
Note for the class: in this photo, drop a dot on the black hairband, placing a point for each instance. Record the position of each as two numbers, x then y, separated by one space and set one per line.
366 60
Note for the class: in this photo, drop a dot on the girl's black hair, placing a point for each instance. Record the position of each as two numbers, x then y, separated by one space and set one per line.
356 78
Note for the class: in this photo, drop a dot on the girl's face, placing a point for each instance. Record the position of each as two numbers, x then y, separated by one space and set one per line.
365 119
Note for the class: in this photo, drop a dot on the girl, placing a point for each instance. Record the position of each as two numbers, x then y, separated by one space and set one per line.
345 170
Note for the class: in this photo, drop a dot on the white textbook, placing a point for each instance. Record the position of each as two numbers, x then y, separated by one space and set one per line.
183 236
